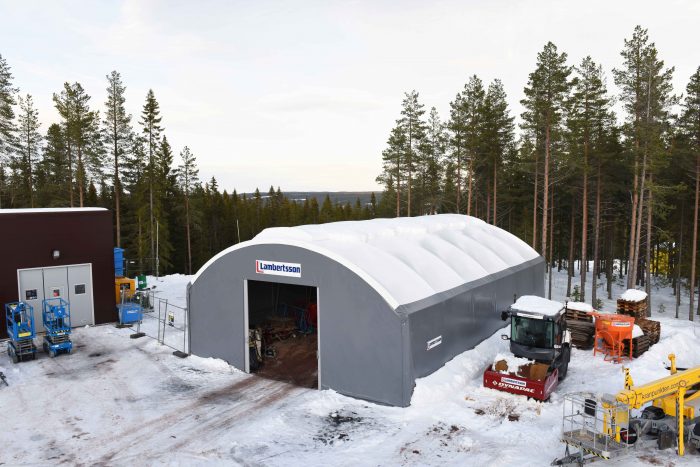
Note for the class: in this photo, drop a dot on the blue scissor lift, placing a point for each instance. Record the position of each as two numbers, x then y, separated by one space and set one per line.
56 319
20 329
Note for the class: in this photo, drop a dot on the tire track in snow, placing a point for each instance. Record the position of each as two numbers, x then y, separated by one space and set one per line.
216 408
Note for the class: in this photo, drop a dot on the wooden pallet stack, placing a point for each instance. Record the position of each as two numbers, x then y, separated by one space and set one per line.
639 345
580 324
651 328
634 303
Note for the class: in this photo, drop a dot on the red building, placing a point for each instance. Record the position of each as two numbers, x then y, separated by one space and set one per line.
61 252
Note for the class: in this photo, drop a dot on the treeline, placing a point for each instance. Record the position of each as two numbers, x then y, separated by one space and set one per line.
578 182
167 219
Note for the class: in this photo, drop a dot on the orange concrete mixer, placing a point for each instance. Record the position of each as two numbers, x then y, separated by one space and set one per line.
611 330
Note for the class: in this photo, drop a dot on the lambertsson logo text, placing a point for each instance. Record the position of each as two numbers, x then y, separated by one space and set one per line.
278 269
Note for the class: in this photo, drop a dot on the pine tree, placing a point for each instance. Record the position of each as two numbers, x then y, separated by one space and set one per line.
150 120
414 130
393 162
646 94
433 157
690 126
29 145
118 134
54 184
473 97
457 126
7 115
82 133
587 116
498 137
187 179
545 96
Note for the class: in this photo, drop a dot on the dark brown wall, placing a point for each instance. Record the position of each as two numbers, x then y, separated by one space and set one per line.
27 240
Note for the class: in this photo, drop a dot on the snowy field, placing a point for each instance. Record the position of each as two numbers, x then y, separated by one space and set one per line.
118 401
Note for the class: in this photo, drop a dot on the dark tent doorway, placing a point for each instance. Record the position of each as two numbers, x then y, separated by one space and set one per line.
283 332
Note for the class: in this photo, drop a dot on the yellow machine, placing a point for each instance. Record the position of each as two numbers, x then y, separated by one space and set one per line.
124 283
601 426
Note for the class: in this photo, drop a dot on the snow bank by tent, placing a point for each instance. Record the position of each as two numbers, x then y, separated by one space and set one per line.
409 258
579 306
633 295
533 304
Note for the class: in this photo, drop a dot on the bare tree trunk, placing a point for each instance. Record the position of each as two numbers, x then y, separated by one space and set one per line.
638 227
551 245
545 192
570 266
81 173
677 288
596 243
584 224
650 207
459 182
469 187
633 226
694 251
187 228
70 172
488 202
495 183
609 262
534 203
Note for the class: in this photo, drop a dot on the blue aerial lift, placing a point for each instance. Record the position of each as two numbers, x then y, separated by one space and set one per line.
20 329
56 319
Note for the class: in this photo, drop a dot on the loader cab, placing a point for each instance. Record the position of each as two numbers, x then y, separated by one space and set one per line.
537 328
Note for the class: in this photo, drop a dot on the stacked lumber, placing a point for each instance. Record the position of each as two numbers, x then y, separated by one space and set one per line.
639 345
582 334
580 324
651 328
633 303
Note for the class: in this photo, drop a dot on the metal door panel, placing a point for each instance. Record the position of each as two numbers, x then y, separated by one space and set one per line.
31 291
80 294
56 282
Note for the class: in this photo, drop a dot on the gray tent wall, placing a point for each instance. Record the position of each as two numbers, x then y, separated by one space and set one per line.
367 350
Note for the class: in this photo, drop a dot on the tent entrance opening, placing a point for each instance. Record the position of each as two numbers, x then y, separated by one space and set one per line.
283 332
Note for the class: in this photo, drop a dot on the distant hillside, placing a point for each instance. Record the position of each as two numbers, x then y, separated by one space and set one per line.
336 196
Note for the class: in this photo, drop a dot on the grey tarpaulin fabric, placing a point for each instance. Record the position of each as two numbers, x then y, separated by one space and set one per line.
371 347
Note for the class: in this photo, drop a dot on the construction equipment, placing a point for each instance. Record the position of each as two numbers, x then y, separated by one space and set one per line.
130 309
20 330
56 318
611 332
538 333
602 426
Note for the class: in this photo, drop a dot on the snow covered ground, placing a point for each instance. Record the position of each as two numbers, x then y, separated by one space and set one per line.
119 401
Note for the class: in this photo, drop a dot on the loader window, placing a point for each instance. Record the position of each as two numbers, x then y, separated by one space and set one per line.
532 332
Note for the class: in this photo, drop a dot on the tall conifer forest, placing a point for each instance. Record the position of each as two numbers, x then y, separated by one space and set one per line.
591 177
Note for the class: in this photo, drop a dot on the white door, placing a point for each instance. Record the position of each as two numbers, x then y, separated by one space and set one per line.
80 294
31 291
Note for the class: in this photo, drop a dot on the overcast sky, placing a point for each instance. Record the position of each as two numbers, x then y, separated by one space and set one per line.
302 95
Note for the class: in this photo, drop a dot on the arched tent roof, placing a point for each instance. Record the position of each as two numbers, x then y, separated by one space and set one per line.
405 259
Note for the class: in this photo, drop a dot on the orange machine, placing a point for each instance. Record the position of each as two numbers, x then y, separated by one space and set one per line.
610 332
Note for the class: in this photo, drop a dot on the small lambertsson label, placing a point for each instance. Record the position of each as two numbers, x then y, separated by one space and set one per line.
278 269
434 342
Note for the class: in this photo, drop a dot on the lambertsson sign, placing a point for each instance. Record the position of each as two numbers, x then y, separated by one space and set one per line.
278 269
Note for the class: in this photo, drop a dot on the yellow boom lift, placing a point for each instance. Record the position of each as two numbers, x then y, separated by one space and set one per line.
601 426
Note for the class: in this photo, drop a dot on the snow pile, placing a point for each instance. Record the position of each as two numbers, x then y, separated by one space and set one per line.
637 331
534 304
633 295
512 362
579 306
